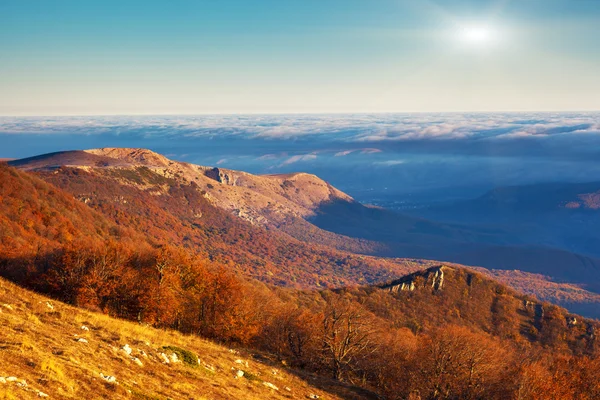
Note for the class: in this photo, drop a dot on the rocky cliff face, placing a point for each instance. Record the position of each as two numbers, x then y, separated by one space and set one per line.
431 277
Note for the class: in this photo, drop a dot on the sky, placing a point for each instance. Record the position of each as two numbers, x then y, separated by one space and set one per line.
297 56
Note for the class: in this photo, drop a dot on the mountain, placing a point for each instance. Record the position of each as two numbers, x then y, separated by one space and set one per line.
290 229
127 256
53 350
560 215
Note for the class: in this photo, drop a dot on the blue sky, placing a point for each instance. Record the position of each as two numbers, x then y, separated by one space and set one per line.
197 57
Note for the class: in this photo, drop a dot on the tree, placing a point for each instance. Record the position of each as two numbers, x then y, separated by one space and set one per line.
348 335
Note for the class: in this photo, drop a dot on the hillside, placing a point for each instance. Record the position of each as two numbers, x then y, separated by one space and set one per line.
294 230
52 350
384 340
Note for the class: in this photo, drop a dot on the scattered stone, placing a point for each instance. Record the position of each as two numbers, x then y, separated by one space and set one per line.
127 349
82 340
232 351
49 305
209 367
84 328
270 385
239 373
137 361
108 378
164 358
275 371
143 354
242 362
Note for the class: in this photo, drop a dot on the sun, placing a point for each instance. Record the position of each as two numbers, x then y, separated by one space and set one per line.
478 35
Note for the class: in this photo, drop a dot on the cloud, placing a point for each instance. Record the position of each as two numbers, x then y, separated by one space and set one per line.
221 161
390 163
343 153
294 159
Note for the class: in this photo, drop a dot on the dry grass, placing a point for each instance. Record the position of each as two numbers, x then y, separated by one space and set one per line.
40 344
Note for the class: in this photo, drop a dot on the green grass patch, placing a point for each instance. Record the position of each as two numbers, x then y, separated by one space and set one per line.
186 356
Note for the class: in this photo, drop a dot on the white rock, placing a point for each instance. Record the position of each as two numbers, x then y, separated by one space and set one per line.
313 396
8 306
164 358
84 328
137 361
209 367
42 394
234 351
239 373
2 379
82 340
274 371
49 305
287 388
174 358
143 354
108 378
127 349
270 385
12 379
242 362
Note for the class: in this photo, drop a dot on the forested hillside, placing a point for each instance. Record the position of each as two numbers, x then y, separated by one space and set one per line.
442 332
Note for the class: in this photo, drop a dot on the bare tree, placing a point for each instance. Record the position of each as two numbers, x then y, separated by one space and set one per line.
348 336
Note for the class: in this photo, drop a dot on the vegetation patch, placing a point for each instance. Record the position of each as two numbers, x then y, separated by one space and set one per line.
251 377
186 356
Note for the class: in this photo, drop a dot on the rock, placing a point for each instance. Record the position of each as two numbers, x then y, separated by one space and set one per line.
108 378
270 385
242 362
209 367
7 306
2 379
174 358
239 373
49 305
313 396
137 361
82 340
164 358
84 328
143 354
42 394
287 388
232 351
12 379
127 349
275 371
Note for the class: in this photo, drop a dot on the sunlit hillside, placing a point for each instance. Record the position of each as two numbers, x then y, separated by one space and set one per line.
51 350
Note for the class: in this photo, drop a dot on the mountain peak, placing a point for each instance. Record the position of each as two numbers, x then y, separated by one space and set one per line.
133 155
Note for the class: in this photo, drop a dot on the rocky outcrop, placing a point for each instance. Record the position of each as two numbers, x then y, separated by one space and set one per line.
431 277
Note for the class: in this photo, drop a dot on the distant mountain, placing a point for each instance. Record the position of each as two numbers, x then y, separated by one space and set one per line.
559 215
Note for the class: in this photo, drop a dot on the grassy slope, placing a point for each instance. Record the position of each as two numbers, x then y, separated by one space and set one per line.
38 344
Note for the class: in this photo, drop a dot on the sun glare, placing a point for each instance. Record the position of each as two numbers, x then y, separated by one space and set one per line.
478 35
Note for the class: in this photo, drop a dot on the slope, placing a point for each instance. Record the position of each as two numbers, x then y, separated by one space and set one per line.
49 349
